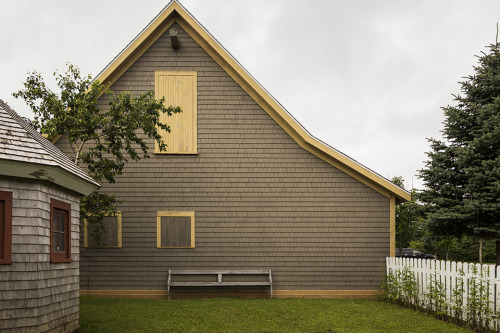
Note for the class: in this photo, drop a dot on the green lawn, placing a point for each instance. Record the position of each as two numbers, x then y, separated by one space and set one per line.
258 315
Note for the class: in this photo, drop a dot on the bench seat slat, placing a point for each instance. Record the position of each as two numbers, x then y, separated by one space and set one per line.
223 272
218 284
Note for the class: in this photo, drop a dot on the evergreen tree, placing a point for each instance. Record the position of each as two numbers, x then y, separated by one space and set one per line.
444 195
462 175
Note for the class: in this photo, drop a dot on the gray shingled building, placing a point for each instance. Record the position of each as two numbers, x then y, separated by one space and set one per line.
40 191
242 186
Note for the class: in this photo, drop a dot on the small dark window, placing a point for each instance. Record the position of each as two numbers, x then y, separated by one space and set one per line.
110 236
60 231
5 227
175 230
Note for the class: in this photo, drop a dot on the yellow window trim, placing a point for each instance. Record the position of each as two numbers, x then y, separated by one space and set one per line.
86 237
392 219
188 117
159 215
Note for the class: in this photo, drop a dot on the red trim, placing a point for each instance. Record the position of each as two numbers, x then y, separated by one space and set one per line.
65 208
6 254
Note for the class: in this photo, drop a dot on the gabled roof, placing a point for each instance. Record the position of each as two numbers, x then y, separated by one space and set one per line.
175 12
26 153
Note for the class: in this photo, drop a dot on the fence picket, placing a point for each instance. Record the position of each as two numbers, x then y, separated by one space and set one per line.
425 277
453 287
491 293
449 290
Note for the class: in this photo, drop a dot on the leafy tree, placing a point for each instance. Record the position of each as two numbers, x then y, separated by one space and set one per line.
462 175
407 219
466 249
102 139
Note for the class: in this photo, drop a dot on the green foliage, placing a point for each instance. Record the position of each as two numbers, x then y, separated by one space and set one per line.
478 304
401 287
460 249
409 286
444 245
424 240
462 175
458 305
466 249
437 296
93 208
390 287
444 192
102 138
409 221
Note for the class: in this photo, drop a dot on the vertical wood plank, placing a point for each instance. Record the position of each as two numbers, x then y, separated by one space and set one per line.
179 89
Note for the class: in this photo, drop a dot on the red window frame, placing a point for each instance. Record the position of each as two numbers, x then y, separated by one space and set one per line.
5 227
60 231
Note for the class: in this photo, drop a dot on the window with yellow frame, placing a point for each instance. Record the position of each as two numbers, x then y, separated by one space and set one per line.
175 229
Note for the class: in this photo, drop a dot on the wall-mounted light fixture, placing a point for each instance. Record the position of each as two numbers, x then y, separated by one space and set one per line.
174 39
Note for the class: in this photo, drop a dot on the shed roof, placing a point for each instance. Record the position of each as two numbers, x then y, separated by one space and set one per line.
26 153
174 12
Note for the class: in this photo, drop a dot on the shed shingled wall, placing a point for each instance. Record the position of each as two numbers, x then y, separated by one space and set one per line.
35 294
261 201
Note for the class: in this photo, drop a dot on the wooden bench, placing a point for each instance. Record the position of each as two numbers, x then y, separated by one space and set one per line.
220 279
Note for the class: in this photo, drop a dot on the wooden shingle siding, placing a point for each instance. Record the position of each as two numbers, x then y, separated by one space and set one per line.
261 201
35 294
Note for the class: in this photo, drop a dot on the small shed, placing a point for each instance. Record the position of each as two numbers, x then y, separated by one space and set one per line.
40 191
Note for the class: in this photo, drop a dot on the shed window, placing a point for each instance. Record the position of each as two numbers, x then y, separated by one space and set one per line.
179 89
60 231
111 236
175 229
5 227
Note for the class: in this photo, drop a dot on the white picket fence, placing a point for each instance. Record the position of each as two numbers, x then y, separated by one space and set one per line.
465 287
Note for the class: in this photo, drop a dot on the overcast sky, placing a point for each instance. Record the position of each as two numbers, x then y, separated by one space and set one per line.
367 77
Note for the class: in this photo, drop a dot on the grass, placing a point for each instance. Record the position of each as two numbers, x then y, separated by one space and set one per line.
258 315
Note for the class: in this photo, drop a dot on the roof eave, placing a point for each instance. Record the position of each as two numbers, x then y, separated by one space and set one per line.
51 173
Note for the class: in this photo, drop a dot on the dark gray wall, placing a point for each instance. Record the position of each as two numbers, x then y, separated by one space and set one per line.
261 201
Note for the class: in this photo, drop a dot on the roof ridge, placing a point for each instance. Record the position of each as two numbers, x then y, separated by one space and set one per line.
135 38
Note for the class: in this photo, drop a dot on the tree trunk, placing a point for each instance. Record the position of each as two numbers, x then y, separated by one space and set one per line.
497 247
400 246
480 251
